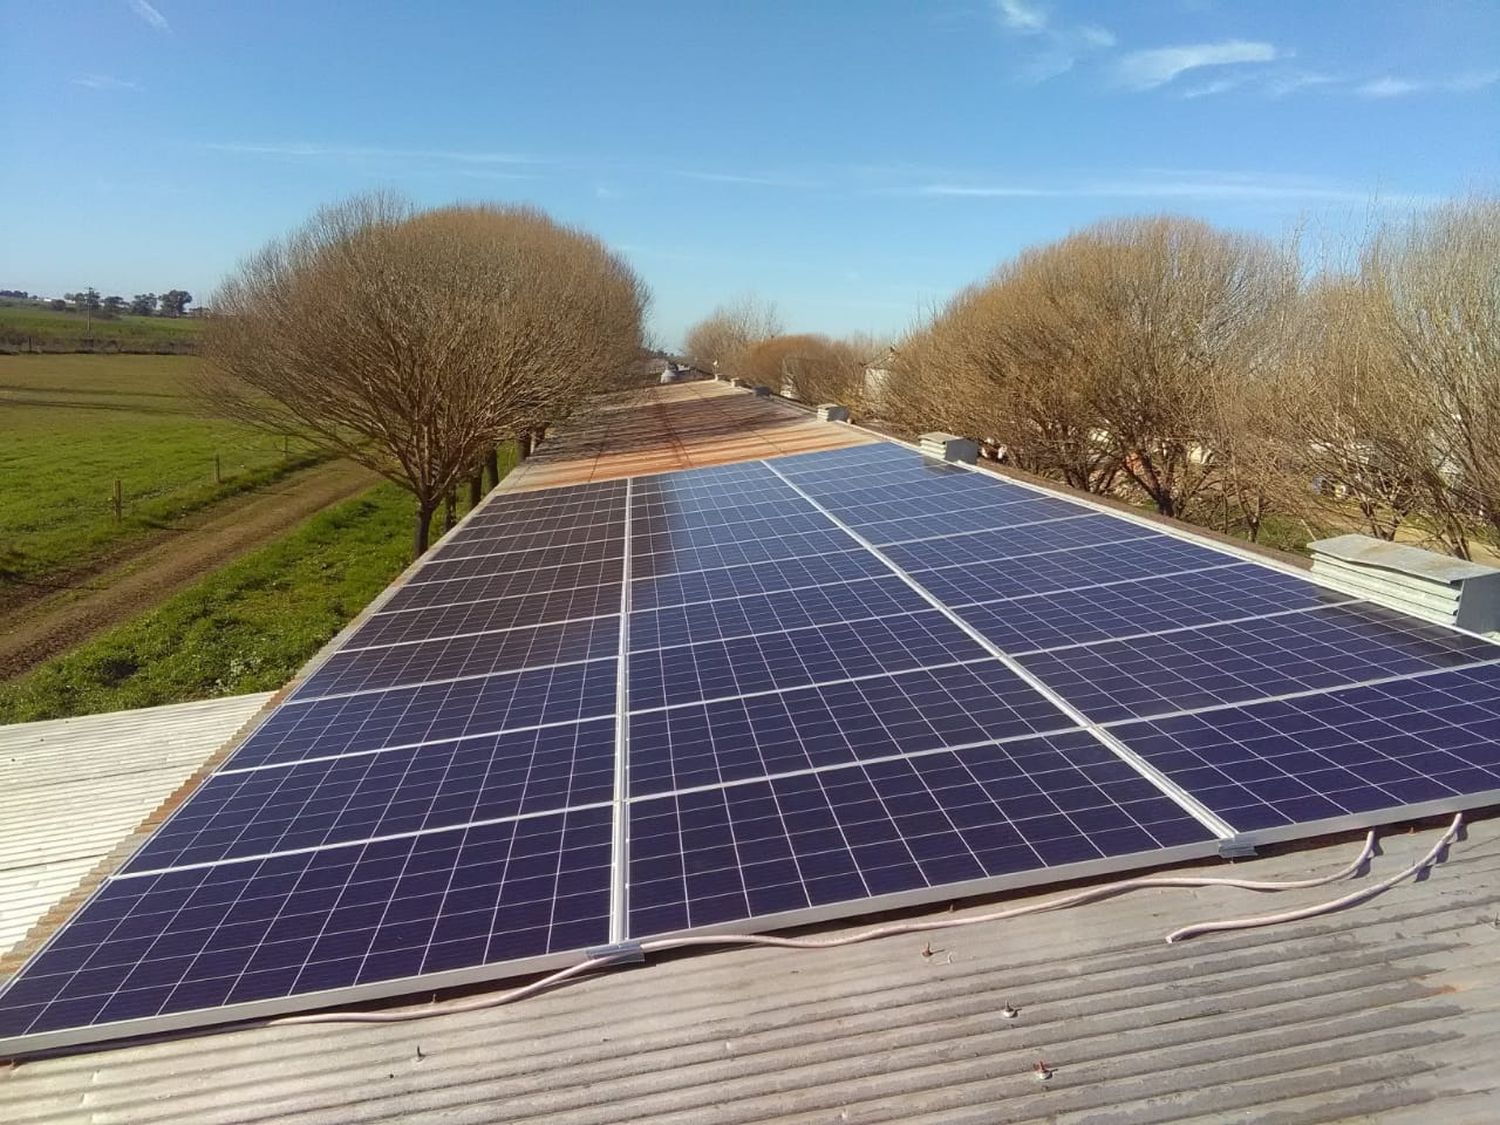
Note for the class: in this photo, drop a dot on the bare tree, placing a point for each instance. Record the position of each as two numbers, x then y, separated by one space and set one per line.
414 342
1096 359
720 340
808 368
1439 281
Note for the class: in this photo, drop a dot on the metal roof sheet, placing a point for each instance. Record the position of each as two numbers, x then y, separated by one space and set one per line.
75 788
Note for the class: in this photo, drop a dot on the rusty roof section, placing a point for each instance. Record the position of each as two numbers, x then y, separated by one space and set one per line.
677 426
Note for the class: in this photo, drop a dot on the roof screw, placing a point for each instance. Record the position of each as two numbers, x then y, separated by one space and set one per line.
1009 1012
1042 1070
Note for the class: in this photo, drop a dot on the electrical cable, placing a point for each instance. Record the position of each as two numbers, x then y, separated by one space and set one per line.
1325 907
1089 894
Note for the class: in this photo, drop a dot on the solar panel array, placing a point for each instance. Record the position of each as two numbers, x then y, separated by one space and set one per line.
748 696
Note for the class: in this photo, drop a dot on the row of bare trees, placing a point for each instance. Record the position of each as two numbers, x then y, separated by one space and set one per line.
744 339
1209 374
414 342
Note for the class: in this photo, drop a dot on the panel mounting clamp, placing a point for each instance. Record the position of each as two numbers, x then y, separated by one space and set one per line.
621 952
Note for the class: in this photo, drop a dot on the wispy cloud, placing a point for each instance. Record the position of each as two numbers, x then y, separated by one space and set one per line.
749 180
302 150
148 13
1146 70
1393 87
105 82
1053 48
1272 84
1182 185
1022 17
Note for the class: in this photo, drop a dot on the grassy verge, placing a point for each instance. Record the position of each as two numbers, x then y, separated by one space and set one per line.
32 327
248 627
70 426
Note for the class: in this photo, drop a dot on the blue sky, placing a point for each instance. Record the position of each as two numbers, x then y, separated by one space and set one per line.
854 163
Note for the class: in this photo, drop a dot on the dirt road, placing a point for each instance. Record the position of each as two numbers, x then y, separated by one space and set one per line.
37 625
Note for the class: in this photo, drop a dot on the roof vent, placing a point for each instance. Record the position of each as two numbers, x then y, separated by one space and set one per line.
833 412
762 392
1425 584
949 447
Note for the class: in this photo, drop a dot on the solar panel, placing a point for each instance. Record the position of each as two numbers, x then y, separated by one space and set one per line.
1235 662
750 696
833 724
1031 623
1292 767
774 849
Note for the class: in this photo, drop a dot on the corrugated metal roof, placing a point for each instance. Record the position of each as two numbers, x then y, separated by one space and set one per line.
74 788
1383 1008
679 426
1388 1010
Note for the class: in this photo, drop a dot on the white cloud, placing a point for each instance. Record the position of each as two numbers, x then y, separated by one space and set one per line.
104 82
1475 80
1184 185
1057 48
148 13
1220 86
1023 17
1279 86
1388 88
1146 70
1391 87
751 180
1400 87
310 151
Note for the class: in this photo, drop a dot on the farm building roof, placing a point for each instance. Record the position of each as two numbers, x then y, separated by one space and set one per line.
1389 1009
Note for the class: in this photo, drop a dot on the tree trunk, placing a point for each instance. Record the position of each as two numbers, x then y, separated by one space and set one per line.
450 509
523 446
423 529
476 490
492 465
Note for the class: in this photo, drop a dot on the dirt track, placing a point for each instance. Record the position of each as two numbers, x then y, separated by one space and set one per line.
37 625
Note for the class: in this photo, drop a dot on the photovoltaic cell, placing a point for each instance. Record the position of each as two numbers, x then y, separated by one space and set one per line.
1362 752
568 576
773 661
737 554
779 611
504 540
240 813
1042 621
487 616
514 562
1020 513
833 724
1233 663
670 538
483 654
310 923
914 501
431 713
1036 807
1064 568
993 548
728 582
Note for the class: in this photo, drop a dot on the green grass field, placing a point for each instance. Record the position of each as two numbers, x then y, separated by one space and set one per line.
248 627
70 425
27 326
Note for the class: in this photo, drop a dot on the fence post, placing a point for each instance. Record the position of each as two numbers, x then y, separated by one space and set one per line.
119 501
218 471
